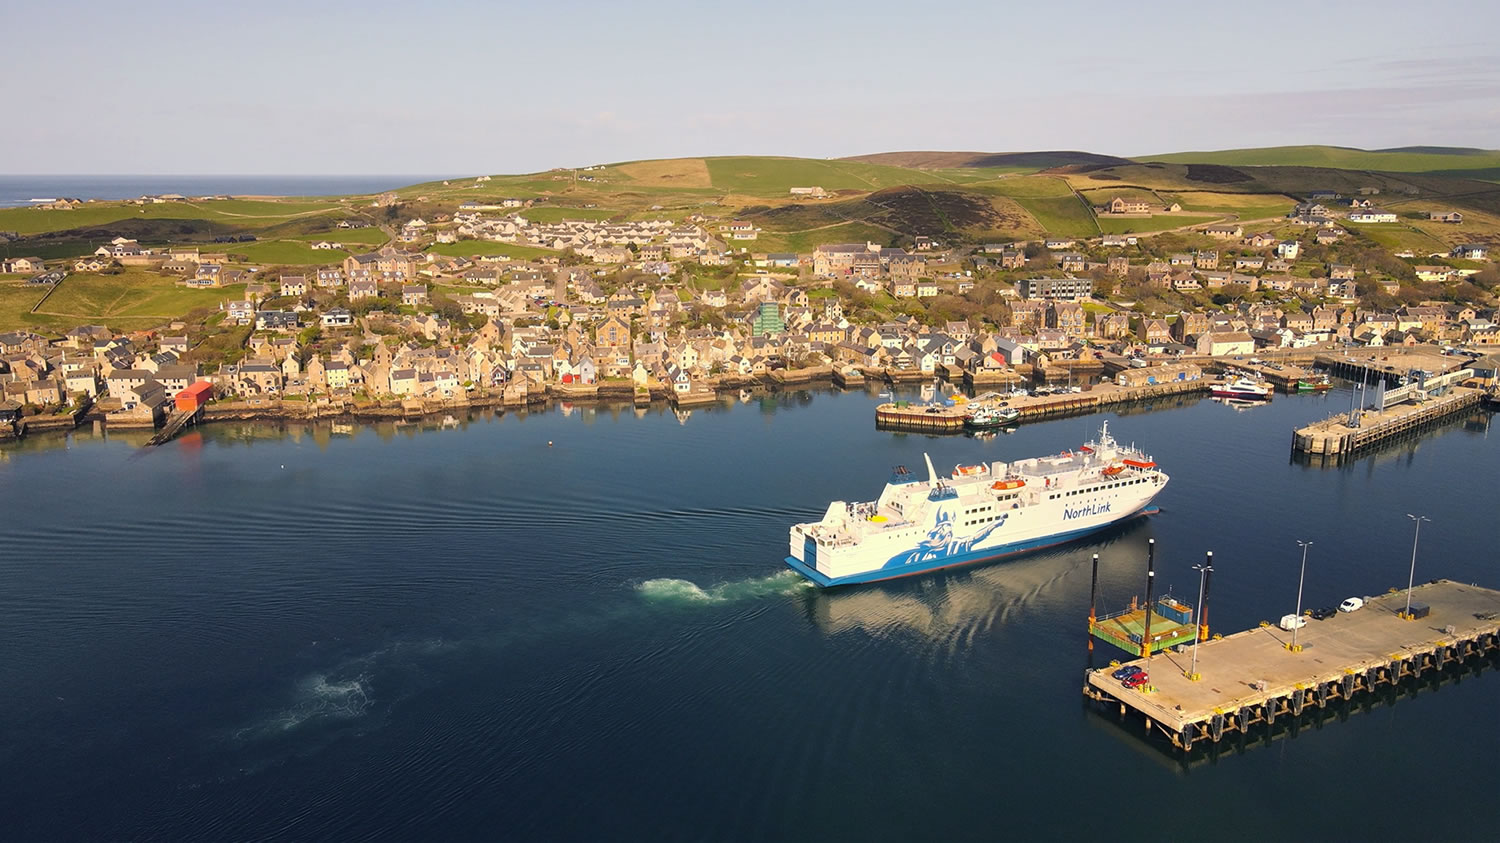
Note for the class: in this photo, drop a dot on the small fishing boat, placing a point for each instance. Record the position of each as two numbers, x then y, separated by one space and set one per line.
989 418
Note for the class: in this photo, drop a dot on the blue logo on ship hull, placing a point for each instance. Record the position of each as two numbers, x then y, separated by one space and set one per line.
940 543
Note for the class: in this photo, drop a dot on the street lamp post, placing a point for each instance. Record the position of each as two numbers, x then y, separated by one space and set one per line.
1300 577
1203 571
1412 574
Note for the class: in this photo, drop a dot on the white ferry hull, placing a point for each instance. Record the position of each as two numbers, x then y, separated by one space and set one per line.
984 513
975 557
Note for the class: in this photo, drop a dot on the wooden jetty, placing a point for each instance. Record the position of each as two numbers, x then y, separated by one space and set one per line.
1335 436
1254 677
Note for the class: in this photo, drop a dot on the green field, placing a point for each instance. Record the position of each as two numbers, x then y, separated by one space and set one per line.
1342 158
450 290
290 252
473 248
1064 216
132 300
364 236
241 212
1146 225
1397 236
1025 187
1102 195
976 175
15 301
262 208
1245 206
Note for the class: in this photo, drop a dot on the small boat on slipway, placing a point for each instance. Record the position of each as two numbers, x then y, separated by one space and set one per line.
981 512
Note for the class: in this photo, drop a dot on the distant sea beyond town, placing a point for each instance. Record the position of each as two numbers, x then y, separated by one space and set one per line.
18 191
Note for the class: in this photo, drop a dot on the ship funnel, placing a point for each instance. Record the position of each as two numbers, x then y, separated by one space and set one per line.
931 472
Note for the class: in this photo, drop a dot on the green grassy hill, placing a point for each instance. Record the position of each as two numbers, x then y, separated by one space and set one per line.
1404 160
1012 161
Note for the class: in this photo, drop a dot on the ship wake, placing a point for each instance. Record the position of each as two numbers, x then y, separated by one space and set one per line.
668 591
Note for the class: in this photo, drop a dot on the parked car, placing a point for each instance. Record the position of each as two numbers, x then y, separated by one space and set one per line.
1127 671
1291 622
1322 613
1134 680
1353 604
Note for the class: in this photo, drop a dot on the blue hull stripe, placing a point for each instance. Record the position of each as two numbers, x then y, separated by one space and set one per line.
953 561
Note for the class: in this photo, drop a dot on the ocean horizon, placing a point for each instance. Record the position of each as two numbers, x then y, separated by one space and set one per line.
23 190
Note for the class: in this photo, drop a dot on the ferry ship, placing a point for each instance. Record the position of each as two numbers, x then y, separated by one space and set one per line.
981 512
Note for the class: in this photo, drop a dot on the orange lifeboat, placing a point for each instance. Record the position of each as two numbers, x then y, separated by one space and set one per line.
1003 485
1113 470
970 470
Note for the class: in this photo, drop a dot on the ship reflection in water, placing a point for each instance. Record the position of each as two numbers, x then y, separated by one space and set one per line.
1238 404
947 605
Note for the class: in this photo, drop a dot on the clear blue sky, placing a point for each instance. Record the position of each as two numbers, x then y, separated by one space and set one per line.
468 87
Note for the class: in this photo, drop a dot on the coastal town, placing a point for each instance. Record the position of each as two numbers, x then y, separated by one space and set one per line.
660 308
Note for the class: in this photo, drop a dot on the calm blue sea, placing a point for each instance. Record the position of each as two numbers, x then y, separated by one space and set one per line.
575 624
20 190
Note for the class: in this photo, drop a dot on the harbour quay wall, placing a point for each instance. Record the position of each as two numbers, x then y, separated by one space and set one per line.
1255 677
1104 395
1335 437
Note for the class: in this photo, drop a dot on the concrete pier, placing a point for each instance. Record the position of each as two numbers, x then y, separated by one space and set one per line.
1335 437
1032 407
848 376
1253 677
901 415
1388 363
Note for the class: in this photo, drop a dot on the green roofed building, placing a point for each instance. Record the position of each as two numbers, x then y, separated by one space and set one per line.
767 322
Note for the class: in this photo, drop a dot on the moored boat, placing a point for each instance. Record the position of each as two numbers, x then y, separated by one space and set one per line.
1244 389
1314 384
989 418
